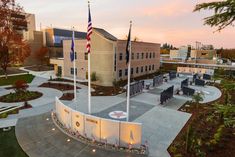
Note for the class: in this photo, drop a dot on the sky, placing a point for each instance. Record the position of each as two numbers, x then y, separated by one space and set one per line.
160 21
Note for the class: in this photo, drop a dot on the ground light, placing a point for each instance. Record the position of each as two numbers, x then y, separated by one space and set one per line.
53 129
68 140
93 150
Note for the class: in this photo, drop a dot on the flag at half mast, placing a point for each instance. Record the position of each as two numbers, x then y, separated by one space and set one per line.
89 32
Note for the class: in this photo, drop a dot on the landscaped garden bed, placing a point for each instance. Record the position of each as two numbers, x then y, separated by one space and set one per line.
61 80
58 86
21 93
99 90
20 96
67 96
106 91
210 132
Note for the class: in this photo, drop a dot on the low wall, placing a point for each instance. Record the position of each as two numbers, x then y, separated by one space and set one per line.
103 130
195 70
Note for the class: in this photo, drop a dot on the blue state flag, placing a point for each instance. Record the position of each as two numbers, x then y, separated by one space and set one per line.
72 53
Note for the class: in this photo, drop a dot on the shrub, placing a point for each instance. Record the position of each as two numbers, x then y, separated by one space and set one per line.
20 85
93 77
3 115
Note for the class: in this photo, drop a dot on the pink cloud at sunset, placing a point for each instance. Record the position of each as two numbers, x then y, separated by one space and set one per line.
171 21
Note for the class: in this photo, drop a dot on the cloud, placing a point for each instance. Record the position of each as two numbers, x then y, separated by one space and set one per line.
153 20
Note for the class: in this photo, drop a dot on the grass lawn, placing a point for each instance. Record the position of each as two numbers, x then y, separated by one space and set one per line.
9 146
12 79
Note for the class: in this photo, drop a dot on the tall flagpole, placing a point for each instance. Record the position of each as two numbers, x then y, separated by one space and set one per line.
89 72
89 83
74 70
129 79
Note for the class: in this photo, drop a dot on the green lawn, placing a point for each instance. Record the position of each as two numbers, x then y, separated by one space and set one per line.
12 79
9 146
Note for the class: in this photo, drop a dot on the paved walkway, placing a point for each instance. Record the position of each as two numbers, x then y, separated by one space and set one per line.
161 124
37 139
42 74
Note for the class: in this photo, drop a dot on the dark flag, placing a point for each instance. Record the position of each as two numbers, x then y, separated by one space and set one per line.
128 47
72 53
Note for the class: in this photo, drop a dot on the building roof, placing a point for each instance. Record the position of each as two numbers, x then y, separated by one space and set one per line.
68 33
106 34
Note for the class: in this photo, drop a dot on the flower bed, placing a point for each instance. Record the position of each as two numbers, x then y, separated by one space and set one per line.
67 96
58 86
206 133
20 96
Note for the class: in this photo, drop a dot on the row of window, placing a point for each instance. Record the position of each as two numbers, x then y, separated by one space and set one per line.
72 71
85 55
137 70
138 56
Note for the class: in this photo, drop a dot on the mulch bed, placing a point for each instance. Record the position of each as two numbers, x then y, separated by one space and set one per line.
67 96
27 96
205 131
58 86
99 90
106 91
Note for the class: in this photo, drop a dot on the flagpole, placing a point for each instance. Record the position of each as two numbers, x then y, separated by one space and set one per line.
89 74
74 71
129 80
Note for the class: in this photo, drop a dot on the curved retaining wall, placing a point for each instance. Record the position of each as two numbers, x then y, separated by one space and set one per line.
109 131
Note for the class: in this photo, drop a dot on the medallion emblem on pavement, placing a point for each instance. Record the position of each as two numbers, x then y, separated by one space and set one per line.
118 114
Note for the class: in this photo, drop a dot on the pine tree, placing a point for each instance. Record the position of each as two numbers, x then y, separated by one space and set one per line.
224 13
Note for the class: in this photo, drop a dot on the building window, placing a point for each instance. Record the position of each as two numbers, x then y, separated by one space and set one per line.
115 60
153 67
86 56
153 54
120 56
150 55
132 71
72 71
132 56
59 72
142 69
142 56
150 68
137 70
146 68
138 56
75 55
120 73
147 55
126 72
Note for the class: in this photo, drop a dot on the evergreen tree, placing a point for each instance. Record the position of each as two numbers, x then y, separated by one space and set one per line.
224 13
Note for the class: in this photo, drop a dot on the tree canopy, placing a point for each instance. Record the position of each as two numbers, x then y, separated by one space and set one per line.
224 13
13 49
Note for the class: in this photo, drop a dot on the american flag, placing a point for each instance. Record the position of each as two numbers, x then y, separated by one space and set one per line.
89 32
